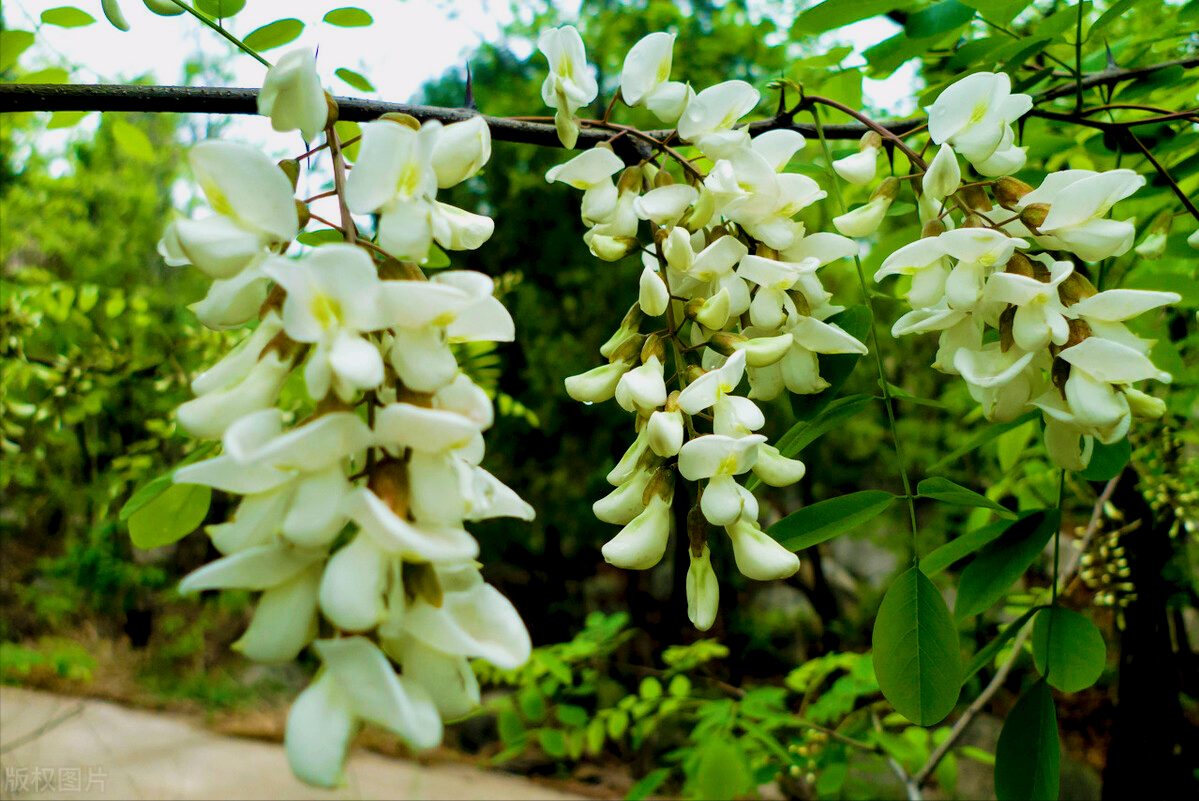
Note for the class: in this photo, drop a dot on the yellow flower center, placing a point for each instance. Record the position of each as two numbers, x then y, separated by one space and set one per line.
325 309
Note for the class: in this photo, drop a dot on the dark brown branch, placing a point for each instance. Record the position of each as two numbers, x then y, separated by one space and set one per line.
1113 76
208 100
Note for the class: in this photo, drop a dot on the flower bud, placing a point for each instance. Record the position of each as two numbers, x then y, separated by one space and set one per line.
858 169
1019 264
628 327
864 220
1008 191
598 384
726 343
629 180
291 168
400 118
1033 216
461 151
654 348
1079 330
1144 405
715 311
703 591
933 228
943 175
629 350
625 502
610 248
1076 287
653 295
975 198
665 431
700 213
888 189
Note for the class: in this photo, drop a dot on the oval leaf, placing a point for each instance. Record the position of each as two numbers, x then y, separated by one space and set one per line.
916 655
67 17
1068 649
133 141
1028 756
1107 461
963 546
354 79
822 521
348 17
946 491
275 34
721 772
171 516
937 19
987 578
220 9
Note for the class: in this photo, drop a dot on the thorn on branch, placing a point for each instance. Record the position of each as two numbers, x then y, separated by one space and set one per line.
469 100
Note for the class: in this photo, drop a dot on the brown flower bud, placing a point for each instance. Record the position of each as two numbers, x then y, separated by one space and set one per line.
697 530
654 346
661 485
933 228
291 168
1033 215
1076 287
1019 264
663 178
975 198
1006 337
400 118
976 221
629 180
889 189
1059 372
725 343
693 372
1008 191
1079 330
331 103
420 581
766 252
389 481
628 350
870 139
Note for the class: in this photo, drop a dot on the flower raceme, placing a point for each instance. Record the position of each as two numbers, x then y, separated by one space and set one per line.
356 520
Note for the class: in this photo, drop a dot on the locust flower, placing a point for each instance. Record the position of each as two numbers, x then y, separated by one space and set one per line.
570 84
703 591
1077 200
292 95
859 168
758 556
975 115
461 150
718 458
709 118
645 78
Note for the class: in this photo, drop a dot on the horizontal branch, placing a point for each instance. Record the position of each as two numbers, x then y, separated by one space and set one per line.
1112 76
209 100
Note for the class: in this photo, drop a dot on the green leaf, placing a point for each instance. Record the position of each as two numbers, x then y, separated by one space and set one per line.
274 34
48 75
916 654
984 657
532 704
992 431
721 772
570 715
1107 461
314 238
133 141
998 10
648 783
511 730
145 494
650 688
437 258
835 368
65 119
595 736
346 131
819 522
963 546
679 687
348 17
838 13
1028 756
67 17
12 45
170 516
220 9
618 723
805 432
946 491
987 578
354 79
112 12
552 742
1068 649
937 19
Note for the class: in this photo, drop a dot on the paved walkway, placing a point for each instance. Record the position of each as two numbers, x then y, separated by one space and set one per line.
101 750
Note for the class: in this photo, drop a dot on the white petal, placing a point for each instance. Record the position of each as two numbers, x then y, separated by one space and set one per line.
351 590
476 622
218 246
448 677
1115 305
315 517
721 503
758 556
703 591
393 534
284 620
240 181
319 729
1112 362
253 569
641 543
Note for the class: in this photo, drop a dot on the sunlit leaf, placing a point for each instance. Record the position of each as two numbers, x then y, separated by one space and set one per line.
274 34
348 17
67 17
354 79
170 516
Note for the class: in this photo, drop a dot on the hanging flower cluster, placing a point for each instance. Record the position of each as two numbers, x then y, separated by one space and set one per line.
1025 329
729 294
351 519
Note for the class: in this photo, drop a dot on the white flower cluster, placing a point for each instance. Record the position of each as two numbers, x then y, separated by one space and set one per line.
1025 330
351 522
722 313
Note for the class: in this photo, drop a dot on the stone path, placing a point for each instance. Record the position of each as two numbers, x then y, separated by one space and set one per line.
101 750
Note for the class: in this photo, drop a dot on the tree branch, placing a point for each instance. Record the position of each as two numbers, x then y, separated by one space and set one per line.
211 100
1113 76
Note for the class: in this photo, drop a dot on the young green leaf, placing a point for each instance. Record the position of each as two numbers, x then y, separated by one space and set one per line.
822 521
274 34
1069 651
837 13
984 657
354 79
1107 461
553 742
987 578
67 17
220 9
1028 755
171 516
647 784
916 655
349 17
946 491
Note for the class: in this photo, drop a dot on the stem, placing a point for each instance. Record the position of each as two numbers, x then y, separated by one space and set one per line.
1078 62
882 375
1186 201
912 155
238 43
349 230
